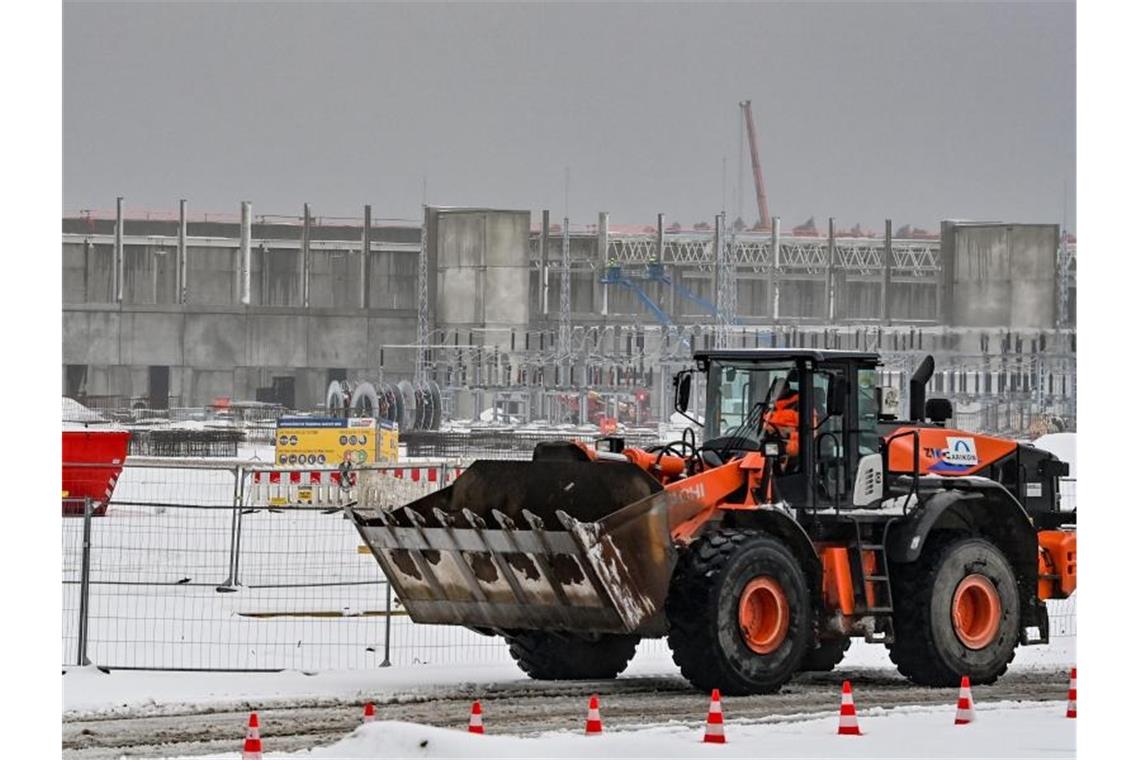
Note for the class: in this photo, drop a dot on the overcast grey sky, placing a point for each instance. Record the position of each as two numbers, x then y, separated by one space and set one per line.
919 112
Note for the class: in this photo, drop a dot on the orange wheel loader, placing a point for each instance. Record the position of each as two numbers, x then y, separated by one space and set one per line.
804 517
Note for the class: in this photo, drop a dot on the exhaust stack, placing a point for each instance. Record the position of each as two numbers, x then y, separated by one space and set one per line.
918 383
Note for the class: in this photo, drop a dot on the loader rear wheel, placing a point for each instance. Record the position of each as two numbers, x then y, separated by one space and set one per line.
739 613
957 613
557 657
826 656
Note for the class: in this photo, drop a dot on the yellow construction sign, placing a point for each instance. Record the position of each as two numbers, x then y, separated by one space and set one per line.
329 441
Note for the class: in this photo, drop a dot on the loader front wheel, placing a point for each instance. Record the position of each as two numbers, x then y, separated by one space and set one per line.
559 657
957 613
739 613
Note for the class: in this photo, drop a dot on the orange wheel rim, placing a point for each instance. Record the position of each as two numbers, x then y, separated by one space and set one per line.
976 610
763 615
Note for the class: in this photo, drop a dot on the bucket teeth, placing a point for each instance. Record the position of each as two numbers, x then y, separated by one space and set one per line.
533 520
413 517
441 517
504 522
473 519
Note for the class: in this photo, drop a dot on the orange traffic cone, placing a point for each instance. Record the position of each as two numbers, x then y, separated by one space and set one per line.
369 712
965 703
1072 711
475 724
252 748
593 718
848 723
714 727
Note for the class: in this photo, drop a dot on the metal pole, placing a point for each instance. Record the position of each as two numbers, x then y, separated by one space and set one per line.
543 255
564 302
153 274
885 288
84 585
118 255
245 268
775 270
305 258
387 625
230 583
239 500
603 246
830 269
183 284
718 287
365 252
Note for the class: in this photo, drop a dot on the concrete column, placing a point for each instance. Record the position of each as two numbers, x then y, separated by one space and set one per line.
660 251
118 252
885 287
304 263
182 283
717 273
246 260
603 248
830 288
87 250
774 274
365 251
544 261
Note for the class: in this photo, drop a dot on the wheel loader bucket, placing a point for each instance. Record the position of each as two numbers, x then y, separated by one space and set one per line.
545 545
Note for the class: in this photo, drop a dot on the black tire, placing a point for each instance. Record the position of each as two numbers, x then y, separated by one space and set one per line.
926 648
702 609
557 657
826 655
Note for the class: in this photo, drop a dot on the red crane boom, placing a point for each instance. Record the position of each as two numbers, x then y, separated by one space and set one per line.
757 175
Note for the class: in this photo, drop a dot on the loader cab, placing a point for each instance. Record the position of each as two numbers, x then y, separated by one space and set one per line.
819 407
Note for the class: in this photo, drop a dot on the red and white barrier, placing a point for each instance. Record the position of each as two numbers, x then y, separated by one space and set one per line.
1071 712
384 487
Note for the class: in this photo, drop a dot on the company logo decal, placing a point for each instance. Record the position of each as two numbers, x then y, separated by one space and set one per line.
961 453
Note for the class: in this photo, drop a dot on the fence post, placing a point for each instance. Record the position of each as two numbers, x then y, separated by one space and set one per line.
231 582
387 624
84 585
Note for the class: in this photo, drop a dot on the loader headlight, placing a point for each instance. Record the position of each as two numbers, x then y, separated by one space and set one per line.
771 449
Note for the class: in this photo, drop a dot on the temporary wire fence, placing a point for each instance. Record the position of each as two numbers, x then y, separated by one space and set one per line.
232 565
235 566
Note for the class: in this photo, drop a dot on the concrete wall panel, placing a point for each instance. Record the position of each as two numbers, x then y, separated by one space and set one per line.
336 341
152 338
505 296
460 297
90 337
215 341
277 340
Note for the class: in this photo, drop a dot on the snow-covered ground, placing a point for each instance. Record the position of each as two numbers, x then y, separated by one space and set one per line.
1005 729
89 691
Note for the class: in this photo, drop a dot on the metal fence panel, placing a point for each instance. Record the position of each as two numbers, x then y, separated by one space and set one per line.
194 567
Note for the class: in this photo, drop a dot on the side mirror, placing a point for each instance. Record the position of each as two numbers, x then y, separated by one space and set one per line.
836 395
682 387
938 410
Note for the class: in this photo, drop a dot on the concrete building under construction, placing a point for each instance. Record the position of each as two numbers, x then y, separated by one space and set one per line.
541 320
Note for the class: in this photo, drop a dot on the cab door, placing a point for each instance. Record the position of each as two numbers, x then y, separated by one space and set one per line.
831 435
